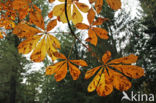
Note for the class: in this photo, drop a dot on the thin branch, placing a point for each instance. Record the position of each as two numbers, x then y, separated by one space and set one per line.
72 32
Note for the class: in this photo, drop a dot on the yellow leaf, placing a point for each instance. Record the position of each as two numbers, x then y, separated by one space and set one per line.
55 41
76 16
28 45
102 33
131 71
50 70
51 49
74 71
91 16
63 16
39 52
79 62
106 57
93 85
125 60
101 86
114 4
51 24
82 26
61 73
91 72
58 10
83 7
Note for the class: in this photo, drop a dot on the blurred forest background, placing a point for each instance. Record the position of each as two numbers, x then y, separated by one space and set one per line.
127 35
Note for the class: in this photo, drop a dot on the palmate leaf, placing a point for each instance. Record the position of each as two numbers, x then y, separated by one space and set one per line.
40 42
73 14
93 32
107 78
60 69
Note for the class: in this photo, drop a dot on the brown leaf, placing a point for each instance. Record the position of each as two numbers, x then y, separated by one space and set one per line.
125 60
91 72
102 33
82 26
79 62
131 71
61 73
74 71
114 4
106 57
100 21
91 16
51 24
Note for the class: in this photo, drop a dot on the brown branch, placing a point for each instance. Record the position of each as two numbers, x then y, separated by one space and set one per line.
72 32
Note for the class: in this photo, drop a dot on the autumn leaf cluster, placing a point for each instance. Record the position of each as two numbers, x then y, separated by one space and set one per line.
25 20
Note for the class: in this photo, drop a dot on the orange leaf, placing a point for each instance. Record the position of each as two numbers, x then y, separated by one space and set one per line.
51 1
79 62
51 24
59 55
36 18
91 72
91 16
102 33
61 73
131 71
83 7
91 1
82 26
1 36
50 70
24 30
120 82
114 4
74 71
126 60
20 4
98 6
50 15
106 57
93 38
100 21
104 90
23 14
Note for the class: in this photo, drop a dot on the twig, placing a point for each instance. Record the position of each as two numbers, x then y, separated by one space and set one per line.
73 34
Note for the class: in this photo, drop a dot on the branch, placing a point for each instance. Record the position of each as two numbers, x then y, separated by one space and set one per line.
72 32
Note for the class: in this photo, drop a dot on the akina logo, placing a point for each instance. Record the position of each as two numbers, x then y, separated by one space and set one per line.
140 97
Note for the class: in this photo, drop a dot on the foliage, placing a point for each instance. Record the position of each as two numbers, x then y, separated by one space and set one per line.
25 20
